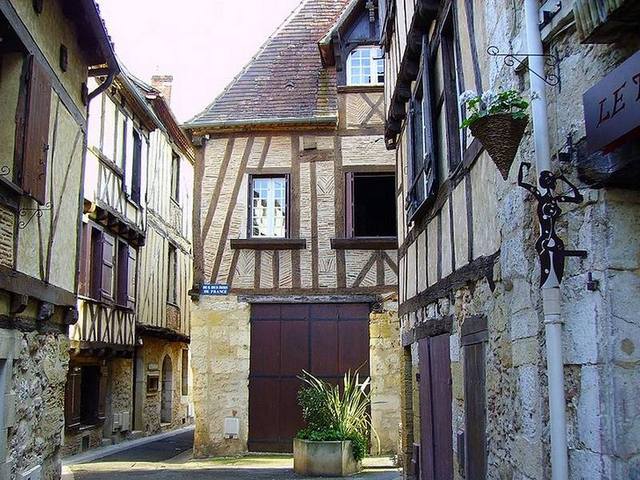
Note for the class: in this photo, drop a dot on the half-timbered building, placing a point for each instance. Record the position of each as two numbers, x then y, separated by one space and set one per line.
130 345
46 50
294 234
162 378
490 390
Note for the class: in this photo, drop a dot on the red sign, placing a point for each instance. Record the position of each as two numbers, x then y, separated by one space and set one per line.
612 107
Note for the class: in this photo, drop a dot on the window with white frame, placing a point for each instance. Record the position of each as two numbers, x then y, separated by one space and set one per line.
268 212
365 66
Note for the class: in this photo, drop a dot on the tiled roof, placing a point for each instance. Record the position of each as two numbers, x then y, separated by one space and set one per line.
285 80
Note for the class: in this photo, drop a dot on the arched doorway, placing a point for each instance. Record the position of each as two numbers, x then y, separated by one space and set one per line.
166 403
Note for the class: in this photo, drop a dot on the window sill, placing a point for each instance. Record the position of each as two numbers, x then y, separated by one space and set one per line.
365 243
108 162
361 88
173 304
269 244
10 193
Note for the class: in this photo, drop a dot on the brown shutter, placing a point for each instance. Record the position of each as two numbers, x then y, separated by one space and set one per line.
108 254
350 232
36 141
131 277
430 168
102 393
122 273
72 397
475 411
84 280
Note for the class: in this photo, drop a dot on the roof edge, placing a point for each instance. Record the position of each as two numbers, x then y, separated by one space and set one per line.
288 121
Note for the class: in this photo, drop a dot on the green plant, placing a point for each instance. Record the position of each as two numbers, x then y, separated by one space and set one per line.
334 415
490 103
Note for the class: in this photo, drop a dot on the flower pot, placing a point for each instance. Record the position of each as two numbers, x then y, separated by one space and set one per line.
324 459
500 135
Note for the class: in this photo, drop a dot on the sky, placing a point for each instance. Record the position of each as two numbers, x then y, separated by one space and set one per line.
202 43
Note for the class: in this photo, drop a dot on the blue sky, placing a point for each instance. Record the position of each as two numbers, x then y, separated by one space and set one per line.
202 43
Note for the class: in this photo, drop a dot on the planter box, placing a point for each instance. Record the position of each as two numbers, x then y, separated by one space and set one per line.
324 459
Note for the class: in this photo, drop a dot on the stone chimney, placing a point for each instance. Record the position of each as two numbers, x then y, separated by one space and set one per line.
162 83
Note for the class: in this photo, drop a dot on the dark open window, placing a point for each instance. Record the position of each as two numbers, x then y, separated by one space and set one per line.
268 208
136 168
371 205
175 176
172 272
85 395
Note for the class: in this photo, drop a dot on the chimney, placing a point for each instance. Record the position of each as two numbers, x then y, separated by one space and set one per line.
162 83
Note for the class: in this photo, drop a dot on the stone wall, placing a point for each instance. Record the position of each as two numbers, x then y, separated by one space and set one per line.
153 353
220 334
385 360
33 377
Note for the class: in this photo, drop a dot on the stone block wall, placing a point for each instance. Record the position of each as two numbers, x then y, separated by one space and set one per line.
386 360
220 336
153 353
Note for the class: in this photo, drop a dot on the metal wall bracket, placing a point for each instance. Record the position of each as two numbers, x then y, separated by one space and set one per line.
511 59
28 214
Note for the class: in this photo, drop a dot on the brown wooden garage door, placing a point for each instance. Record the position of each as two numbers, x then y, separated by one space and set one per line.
324 339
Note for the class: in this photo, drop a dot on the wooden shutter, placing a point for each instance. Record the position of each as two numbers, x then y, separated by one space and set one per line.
122 274
102 393
349 205
84 280
131 277
36 139
72 397
428 147
106 274
475 448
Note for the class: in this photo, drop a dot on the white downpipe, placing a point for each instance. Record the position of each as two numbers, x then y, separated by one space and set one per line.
550 293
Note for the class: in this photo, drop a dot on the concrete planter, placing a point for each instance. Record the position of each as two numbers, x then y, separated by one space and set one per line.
324 459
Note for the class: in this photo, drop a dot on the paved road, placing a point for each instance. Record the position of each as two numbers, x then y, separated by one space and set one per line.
169 459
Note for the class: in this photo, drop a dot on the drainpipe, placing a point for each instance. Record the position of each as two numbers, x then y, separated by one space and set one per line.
551 289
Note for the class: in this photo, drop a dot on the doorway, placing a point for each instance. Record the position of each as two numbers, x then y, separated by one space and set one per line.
166 402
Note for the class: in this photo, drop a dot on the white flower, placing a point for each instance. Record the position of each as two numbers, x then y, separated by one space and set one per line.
466 96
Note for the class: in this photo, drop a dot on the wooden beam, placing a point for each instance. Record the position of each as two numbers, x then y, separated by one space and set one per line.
19 283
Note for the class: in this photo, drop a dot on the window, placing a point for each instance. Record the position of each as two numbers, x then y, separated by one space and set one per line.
185 372
85 395
371 205
365 66
107 268
153 384
175 176
268 209
172 273
136 168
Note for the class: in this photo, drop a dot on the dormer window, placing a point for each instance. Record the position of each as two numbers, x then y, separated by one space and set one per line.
365 66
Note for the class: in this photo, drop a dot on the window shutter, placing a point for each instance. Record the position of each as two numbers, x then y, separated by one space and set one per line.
136 167
72 397
349 206
122 274
102 394
108 251
131 280
84 280
427 124
36 140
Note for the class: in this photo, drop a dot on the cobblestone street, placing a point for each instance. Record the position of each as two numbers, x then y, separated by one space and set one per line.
170 459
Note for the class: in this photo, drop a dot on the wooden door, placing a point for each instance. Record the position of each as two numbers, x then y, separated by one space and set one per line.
436 449
325 339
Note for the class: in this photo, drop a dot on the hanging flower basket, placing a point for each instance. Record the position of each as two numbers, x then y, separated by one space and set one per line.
498 121
500 135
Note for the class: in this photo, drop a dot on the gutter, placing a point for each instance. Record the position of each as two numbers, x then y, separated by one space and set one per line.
224 124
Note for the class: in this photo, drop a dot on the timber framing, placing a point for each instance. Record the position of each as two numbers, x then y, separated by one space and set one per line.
481 267
21 284
426 329
284 292
371 299
268 244
161 332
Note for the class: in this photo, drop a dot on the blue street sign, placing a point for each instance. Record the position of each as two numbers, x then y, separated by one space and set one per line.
215 289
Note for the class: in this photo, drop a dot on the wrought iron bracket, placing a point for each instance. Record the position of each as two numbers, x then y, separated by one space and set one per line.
5 171
511 59
28 214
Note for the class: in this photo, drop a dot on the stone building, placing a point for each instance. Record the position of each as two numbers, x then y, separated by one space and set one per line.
46 51
475 330
294 231
132 290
